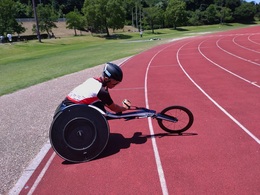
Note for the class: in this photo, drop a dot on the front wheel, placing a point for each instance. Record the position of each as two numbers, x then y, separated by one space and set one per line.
180 117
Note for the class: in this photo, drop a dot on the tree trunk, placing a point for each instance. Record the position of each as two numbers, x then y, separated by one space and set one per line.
107 31
37 22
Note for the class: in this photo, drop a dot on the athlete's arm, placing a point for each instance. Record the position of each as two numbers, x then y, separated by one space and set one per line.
116 108
104 96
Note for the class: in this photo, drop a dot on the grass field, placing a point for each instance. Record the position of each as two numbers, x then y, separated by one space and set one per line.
24 64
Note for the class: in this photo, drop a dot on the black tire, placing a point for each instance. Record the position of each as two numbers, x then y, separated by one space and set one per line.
184 119
79 133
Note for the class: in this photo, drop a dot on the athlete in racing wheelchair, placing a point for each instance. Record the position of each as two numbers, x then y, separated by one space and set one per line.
94 91
79 131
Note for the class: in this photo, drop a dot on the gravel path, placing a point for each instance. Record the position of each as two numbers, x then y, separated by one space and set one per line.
25 118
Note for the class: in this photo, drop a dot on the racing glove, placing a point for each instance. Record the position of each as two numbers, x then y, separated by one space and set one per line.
126 104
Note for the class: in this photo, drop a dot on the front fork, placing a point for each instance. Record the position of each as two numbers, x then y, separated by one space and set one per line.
166 118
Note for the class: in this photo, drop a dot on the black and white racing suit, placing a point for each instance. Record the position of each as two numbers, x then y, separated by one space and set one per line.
92 91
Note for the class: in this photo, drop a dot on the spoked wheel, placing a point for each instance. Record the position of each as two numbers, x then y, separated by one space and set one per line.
79 133
175 119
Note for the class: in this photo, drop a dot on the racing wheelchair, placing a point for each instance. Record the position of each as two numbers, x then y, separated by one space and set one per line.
79 133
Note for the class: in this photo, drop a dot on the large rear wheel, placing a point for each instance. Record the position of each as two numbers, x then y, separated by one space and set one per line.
79 133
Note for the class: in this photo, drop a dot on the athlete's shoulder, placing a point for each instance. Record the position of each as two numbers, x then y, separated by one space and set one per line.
95 79
92 82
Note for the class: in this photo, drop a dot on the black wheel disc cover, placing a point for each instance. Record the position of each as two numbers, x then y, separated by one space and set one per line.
79 133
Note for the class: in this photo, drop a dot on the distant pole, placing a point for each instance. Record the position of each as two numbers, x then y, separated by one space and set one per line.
140 18
36 21
136 16
133 17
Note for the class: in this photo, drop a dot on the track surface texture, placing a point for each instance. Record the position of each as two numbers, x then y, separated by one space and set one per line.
216 76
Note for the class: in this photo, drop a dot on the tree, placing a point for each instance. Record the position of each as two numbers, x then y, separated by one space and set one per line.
225 15
211 13
75 21
8 23
153 16
245 12
67 6
194 18
21 10
232 4
193 5
47 18
217 14
95 16
115 14
175 13
103 14
257 15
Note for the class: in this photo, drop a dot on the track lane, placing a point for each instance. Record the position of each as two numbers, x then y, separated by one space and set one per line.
238 52
212 164
213 80
254 39
206 159
239 68
144 169
242 41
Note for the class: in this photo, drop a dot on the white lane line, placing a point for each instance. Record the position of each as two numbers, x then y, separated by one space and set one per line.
27 173
154 144
155 148
250 61
250 82
212 100
249 38
29 170
234 41
39 178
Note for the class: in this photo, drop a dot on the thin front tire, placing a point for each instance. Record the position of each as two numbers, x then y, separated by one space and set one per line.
184 119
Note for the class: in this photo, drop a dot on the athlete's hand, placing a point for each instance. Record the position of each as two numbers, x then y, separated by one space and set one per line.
126 104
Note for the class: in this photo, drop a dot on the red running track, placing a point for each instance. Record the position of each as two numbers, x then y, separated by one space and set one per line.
217 76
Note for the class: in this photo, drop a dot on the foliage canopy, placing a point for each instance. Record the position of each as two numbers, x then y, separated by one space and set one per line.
99 15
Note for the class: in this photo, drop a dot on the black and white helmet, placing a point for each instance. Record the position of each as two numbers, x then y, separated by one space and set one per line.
113 71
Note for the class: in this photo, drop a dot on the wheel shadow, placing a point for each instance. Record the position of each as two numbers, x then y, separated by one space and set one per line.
117 142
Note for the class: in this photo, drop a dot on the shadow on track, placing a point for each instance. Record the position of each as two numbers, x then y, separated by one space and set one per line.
117 142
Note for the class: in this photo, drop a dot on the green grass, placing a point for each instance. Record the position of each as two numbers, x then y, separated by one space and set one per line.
25 64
